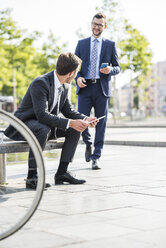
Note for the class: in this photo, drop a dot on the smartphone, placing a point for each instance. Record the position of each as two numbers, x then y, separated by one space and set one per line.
98 119
103 65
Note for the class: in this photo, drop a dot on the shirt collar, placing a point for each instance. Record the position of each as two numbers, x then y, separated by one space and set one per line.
57 83
99 38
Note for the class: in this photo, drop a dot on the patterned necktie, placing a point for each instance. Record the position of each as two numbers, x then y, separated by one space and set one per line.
93 59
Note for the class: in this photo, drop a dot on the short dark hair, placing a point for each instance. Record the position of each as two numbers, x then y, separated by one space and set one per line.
67 62
99 16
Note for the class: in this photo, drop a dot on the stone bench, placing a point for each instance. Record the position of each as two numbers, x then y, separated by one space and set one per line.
10 146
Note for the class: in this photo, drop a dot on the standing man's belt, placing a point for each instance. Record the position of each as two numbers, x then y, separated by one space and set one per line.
92 81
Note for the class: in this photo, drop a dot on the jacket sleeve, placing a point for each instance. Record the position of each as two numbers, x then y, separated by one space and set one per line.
71 113
115 62
77 52
39 95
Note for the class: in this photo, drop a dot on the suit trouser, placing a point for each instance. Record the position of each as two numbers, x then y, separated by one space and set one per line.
92 96
43 133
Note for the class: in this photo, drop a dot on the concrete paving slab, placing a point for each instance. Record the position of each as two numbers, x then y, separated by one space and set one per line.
158 221
112 242
156 238
135 136
93 231
121 213
138 122
121 205
36 239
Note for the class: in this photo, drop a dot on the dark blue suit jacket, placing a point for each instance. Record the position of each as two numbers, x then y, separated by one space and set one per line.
108 55
37 102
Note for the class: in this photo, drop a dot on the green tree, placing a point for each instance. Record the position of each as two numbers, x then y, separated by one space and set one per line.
73 94
20 60
3 63
135 52
136 56
114 18
49 53
17 53
133 47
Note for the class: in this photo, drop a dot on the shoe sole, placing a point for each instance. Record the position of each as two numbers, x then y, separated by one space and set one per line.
29 187
87 160
59 183
47 185
96 168
62 182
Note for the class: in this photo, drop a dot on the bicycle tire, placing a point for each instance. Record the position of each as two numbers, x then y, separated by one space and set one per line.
33 143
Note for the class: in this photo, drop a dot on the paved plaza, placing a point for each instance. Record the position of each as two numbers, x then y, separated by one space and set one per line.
122 205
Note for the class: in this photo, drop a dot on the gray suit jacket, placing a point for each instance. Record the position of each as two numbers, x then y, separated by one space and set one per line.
37 103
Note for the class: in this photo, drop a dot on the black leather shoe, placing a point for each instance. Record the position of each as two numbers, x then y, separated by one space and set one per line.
67 177
88 153
32 183
95 164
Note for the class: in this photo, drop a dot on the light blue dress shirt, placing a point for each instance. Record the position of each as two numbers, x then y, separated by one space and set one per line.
99 44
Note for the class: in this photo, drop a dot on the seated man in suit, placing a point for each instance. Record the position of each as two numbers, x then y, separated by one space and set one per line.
46 97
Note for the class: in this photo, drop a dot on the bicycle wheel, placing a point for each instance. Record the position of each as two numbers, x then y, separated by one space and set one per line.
33 143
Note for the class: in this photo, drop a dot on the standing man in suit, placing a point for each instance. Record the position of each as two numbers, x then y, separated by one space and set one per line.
39 110
94 83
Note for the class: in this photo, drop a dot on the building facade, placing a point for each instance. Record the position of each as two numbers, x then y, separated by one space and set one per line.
152 99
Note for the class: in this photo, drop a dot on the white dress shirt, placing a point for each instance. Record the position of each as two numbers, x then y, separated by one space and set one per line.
57 85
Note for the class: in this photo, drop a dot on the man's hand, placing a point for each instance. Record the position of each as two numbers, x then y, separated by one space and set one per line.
79 125
94 123
106 70
80 82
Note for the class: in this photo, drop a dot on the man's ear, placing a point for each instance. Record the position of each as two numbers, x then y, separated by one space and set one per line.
105 26
70 74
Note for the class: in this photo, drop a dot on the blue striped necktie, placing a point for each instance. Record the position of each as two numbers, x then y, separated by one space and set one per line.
93 59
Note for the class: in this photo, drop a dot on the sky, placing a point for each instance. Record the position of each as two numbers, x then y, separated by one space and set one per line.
64 17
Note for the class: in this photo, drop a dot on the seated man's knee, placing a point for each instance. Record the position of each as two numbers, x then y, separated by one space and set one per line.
44 130
40 130
74 133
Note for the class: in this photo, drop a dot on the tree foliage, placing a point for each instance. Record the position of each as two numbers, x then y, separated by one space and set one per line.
135 52
133 47
21 61
114 18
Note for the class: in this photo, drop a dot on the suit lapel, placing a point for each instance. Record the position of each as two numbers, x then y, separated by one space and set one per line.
51 95
59 101
103 48
88 49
